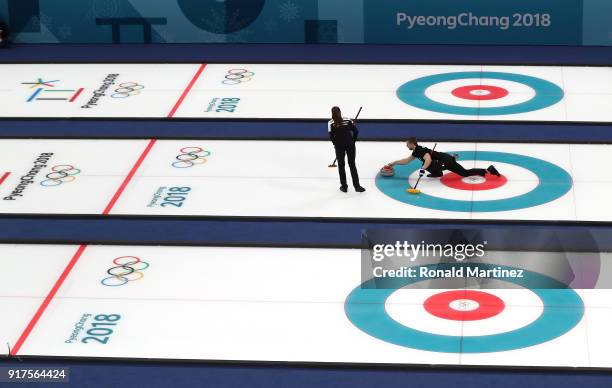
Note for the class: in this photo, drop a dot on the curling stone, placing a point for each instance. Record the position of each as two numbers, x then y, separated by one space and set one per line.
387 171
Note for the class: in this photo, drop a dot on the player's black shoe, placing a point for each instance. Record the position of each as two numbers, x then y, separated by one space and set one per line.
359 189
436 175
344 189
491 169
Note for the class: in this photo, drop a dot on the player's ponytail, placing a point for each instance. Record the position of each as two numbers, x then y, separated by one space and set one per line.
336 115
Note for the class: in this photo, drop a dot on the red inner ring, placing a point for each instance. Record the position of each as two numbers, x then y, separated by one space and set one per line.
439 305
465 92
455 181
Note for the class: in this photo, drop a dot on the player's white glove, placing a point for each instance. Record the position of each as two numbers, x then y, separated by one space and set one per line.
421 172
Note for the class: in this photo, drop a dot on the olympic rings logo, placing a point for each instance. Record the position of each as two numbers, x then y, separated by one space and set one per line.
62 173
127 269
190 156
127 89
237 76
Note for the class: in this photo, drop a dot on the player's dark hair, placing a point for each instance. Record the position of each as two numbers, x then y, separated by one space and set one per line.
336 115
412 140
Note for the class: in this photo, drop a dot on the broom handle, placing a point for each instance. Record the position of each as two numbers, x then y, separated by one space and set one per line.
357 116
419 179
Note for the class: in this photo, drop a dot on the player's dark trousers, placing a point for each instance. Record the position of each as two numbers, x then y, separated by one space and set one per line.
455 167
350 152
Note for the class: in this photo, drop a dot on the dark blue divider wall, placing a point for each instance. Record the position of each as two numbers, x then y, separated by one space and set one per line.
309 53
237 231
307 130
158 375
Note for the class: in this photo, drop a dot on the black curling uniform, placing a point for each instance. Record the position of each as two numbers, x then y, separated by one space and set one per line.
344 135
441 161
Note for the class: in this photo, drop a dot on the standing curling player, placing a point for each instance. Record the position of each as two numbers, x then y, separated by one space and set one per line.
436 162
343 134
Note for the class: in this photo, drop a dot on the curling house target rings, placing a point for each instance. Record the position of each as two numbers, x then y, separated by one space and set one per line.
563 310
554 182
546 93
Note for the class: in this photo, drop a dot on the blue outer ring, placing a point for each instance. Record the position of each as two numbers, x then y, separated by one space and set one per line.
563 310
554 183
413 93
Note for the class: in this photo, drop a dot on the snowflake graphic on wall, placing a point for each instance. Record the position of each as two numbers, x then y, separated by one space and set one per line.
289 11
